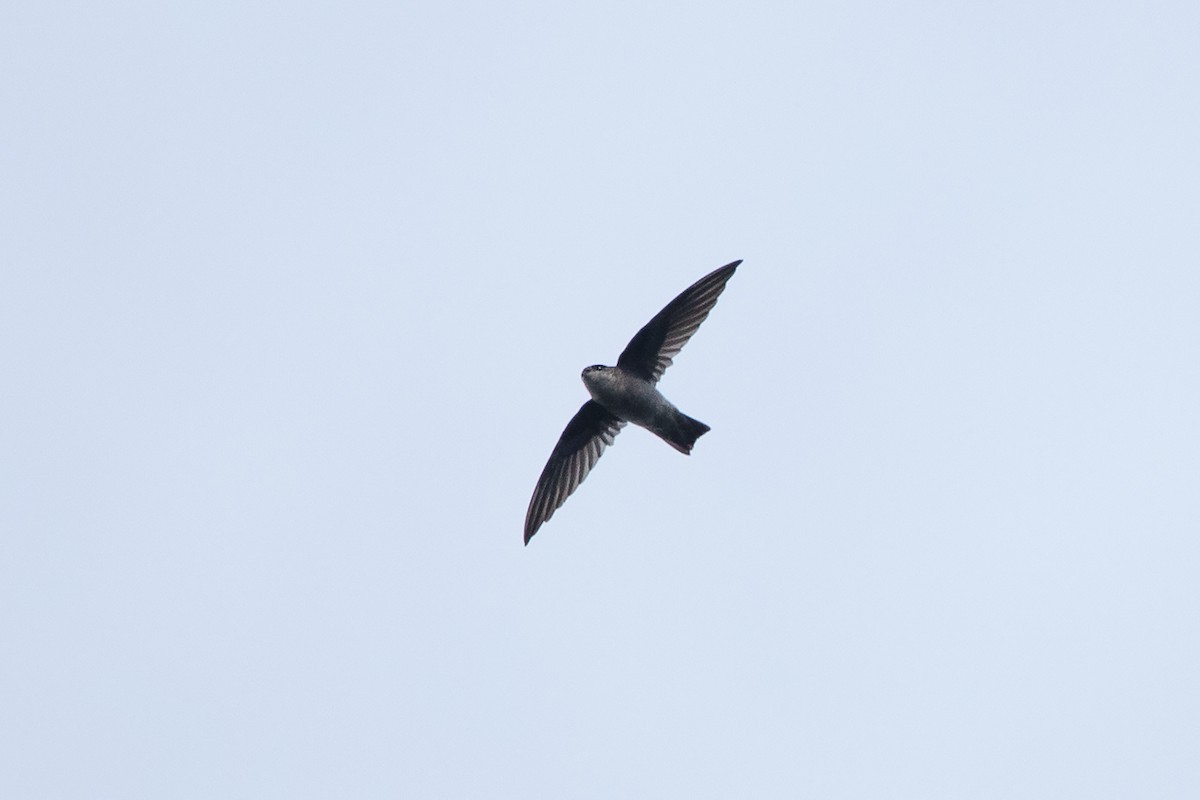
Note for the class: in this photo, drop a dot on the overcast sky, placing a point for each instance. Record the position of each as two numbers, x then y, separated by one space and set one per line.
293 303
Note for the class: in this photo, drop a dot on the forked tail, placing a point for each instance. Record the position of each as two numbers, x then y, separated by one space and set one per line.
685 432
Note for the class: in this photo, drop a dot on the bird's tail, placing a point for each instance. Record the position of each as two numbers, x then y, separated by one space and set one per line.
684 433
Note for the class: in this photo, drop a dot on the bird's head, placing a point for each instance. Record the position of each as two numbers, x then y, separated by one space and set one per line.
595 375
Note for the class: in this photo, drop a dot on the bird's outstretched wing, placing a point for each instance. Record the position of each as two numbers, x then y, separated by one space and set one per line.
650 352
578 449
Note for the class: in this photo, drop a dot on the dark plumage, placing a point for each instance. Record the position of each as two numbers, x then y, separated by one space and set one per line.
627 393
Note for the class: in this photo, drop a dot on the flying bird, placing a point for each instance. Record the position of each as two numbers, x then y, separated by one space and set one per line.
627 393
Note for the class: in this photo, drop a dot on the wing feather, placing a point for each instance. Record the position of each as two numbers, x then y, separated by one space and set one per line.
579 448
655 346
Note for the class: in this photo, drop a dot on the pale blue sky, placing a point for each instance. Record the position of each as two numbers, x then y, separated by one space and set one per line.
293 304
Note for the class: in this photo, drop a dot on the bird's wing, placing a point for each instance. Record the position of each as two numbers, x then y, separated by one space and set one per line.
578 449
650 352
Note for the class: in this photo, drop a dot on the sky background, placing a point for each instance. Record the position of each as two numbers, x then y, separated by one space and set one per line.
293 303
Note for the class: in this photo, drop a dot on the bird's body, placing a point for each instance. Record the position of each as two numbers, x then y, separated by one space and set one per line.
634 399
628 393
